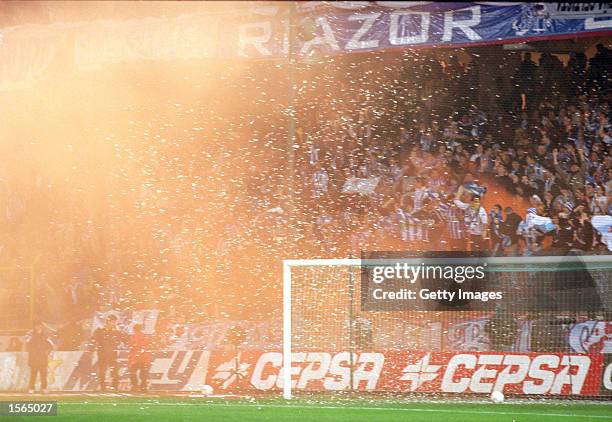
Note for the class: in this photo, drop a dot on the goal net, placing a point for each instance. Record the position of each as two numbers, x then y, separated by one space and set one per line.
547 336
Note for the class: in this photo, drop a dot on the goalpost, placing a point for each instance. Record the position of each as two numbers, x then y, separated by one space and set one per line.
287 320
328 325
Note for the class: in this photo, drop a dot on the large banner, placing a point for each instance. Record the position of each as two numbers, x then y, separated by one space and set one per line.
392 371
414 24
76 371
261 31
458 373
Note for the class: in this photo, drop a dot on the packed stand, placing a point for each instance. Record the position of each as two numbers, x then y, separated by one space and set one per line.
180 200
532 175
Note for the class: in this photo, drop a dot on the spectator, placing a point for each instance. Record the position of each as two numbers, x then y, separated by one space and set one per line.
139 359
39 346
584 235
509 232
106 342
564 236
575 177
526 79
496 221
475 218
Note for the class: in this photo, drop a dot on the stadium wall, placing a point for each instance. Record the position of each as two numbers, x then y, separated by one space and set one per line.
542 374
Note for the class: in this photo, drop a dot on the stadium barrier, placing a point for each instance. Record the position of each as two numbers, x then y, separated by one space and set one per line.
459 373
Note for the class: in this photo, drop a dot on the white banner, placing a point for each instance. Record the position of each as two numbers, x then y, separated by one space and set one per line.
361 186
76 371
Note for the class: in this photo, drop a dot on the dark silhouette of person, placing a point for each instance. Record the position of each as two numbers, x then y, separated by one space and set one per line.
39 346
106 342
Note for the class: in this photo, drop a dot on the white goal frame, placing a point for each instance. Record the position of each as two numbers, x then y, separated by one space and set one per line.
356 262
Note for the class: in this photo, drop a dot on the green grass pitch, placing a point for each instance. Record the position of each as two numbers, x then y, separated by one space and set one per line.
154 409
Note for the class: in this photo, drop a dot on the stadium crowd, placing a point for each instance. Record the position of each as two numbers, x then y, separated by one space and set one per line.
532 176
183 191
